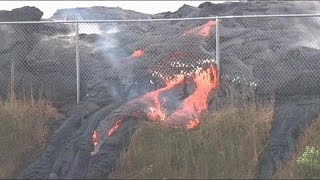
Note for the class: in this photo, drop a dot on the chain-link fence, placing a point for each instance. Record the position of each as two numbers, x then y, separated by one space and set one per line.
279 55
37 60
80 60
135 57
60 61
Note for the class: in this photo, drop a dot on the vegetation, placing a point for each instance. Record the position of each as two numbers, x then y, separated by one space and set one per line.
23 133
306 162
227 144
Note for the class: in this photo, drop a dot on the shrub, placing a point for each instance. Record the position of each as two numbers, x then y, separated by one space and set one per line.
309 161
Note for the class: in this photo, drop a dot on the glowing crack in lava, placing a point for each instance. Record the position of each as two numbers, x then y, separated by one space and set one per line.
202 72
95 138
114 128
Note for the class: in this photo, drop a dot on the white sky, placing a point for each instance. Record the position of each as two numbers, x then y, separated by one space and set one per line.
149 7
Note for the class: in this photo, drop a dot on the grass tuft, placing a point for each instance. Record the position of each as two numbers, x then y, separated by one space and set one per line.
23 133
227 144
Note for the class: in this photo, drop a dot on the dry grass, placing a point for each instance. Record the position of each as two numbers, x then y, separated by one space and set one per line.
23 133
292 169
226 145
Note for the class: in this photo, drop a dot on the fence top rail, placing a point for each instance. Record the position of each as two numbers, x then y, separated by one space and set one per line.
155 20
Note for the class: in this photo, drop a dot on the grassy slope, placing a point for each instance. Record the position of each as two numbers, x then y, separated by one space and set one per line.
226 145
292 169
23 133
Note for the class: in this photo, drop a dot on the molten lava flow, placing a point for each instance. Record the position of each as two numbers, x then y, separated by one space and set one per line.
188 115
138 53
206 82
193 123
154 111
115 128
152 99
203 31
124 68
95 138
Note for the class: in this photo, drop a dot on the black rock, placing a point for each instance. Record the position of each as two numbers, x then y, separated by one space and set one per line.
280 55
26 13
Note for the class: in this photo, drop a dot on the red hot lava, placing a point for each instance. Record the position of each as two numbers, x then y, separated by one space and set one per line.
193 106
115 128
95 138
188 115
203 31
138 53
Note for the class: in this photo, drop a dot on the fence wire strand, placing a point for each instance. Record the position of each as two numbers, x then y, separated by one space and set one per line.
266 53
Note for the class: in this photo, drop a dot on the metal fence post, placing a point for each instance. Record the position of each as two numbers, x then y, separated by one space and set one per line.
77 62
12 83
218 45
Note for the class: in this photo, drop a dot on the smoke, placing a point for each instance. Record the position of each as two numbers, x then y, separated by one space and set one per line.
309 32
308 27
6 28
115 84
109 39
89 29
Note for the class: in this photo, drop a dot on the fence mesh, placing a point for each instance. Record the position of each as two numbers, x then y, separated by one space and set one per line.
133 58
278 54
270 55
37 60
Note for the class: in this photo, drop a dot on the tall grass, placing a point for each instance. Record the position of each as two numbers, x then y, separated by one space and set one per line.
293 169
227 144
23 133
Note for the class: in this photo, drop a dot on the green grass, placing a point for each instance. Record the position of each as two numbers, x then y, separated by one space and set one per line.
225 145
23 133
293 169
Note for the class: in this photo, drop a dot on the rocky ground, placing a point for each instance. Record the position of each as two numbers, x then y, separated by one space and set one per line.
279 54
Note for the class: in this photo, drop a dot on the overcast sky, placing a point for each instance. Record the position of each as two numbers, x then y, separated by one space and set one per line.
150 7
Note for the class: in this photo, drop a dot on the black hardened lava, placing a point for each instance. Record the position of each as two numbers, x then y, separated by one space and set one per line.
276 54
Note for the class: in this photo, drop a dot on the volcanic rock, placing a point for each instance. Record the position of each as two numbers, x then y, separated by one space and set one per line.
271 56
26 13
97 13
17 41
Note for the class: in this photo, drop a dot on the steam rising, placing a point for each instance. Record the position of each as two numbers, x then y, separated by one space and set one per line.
308 27
109 38
89 29
309 32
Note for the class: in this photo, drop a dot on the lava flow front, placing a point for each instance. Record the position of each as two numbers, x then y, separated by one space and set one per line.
193 106
202 72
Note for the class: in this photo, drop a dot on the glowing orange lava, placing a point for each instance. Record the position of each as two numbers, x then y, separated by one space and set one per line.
188 115
115 128
203 31
193 123
95 138
206 82
155 112
138 53
192 107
